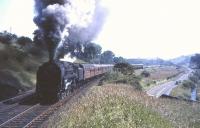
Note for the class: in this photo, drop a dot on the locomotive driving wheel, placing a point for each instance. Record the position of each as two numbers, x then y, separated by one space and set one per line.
61 95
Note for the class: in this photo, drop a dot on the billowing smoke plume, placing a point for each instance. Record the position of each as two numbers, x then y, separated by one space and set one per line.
61 21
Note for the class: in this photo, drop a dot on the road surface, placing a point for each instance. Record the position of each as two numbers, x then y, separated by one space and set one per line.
167 87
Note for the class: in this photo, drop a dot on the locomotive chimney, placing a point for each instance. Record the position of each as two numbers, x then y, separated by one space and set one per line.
77 20
51 53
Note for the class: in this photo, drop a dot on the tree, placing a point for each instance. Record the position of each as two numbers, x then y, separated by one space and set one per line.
74 48
195 61
119 60
188 84
124 68
91 52
24 41
7 38
145 73
107 57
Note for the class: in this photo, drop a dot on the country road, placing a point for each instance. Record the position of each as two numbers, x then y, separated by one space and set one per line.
167 87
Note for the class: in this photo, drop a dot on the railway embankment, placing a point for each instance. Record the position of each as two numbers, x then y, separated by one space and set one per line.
121 105
17 70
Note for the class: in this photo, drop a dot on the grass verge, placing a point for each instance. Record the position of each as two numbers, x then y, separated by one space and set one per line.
181 92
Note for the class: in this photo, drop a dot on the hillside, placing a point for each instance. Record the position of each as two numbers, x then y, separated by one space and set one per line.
17 70
121 106
182 60
148 62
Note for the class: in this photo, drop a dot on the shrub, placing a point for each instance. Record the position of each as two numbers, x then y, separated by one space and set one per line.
118 78
188 84
124 68
20 57
145 73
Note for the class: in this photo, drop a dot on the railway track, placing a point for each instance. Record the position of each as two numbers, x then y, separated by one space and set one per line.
21 119
17 98
13 102
34 116
11 112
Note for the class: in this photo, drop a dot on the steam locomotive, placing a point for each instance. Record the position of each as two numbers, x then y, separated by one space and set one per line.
56 79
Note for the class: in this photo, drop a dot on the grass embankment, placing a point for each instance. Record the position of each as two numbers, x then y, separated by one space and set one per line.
181 92
107 106
198 93
121 106
17 70
158 75
186 87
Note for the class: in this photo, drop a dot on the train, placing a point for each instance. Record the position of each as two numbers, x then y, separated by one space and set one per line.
57 79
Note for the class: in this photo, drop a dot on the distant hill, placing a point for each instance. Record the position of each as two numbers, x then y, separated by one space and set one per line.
148 62
182 60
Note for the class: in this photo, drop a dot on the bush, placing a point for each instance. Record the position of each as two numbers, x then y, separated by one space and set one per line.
118 77
145 73
124 68
188 84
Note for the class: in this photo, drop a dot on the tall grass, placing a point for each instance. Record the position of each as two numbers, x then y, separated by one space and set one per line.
107 107
122 106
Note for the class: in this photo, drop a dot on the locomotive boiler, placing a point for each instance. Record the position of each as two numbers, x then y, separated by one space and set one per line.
56 79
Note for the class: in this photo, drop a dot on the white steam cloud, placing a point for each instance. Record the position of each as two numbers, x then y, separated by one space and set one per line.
74 19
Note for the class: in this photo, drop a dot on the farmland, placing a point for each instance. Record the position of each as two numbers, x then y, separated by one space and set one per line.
159 75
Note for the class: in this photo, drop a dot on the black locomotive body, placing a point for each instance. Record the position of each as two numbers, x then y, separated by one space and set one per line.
56 79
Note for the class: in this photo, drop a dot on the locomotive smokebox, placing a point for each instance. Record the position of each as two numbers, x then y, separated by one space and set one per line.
49 79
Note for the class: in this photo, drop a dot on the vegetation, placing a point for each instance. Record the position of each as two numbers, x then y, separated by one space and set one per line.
121 106
156 75
107 57
141 78
181 92
123 73
119 60
19 58
185 87
104 107
124 68
195 64
195 61
188 84
145 73
118 78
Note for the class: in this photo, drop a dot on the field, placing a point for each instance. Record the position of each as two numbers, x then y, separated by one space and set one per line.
159 75
121 106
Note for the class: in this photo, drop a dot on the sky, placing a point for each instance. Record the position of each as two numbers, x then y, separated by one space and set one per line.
133 28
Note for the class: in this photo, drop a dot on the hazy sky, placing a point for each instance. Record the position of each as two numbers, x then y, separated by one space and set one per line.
133 28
